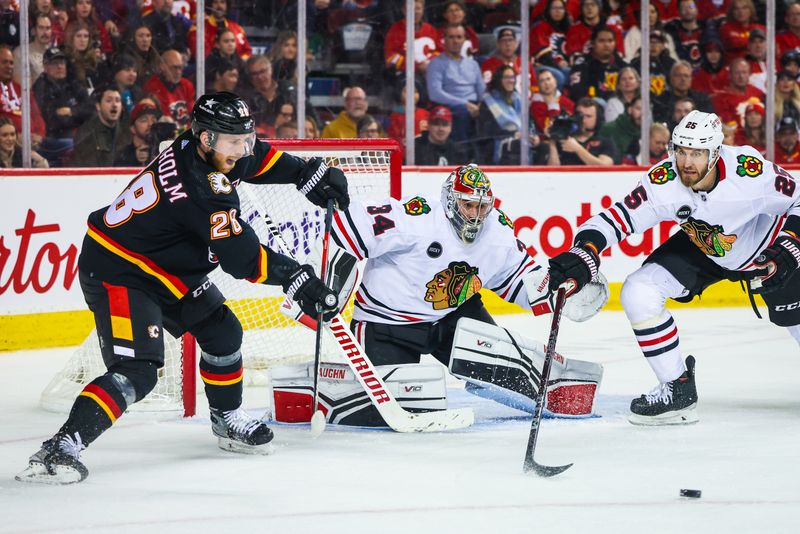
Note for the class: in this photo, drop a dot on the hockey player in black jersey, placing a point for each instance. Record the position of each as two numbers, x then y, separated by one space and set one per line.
143 269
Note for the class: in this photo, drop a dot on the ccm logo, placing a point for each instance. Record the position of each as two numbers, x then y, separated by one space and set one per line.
199 291
787 307
486 344
412 389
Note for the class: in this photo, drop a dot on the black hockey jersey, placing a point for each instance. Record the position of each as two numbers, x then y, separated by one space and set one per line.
179 218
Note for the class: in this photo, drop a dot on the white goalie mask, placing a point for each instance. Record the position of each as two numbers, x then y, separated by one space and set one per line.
467 199
699 130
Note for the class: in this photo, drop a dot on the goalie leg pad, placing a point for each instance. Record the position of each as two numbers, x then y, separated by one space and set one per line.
506 367
418 388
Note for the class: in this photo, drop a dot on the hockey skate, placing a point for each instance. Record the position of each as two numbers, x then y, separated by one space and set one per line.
239 432
57 462
673 403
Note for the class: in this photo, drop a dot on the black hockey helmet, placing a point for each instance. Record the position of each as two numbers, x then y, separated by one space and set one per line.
221 113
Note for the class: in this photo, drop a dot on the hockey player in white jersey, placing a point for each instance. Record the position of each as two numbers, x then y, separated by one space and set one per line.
426 261
739 218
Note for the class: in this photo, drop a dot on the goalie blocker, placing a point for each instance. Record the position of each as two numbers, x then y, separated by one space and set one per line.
496 363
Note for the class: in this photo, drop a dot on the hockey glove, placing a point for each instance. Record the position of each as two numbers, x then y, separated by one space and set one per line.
310 293
578 264
781 260
318 183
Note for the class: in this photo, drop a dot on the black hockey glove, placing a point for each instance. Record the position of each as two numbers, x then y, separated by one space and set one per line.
318 183
279 268
578 264
310 293
781 260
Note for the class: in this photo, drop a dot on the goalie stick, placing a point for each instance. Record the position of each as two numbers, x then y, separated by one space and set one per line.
395 416
530 464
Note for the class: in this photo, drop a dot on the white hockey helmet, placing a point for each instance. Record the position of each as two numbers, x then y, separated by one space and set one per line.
467 183
699 130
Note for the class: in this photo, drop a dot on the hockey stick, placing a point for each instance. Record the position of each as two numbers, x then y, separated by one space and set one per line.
530 464
395 416
318 418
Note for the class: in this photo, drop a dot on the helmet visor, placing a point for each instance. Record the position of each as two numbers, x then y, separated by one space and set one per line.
234 145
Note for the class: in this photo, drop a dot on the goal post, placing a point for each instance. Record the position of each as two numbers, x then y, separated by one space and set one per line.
372 167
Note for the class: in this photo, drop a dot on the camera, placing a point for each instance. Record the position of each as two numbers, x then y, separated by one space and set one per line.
564 126
162 131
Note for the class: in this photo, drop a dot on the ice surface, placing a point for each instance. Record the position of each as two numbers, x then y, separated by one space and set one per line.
169 476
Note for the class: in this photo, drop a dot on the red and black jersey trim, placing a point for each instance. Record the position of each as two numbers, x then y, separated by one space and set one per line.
630 229
612 225
513 283
769 238
352 239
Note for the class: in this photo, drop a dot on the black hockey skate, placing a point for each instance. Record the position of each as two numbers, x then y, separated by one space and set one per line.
57 462
673 403
239 432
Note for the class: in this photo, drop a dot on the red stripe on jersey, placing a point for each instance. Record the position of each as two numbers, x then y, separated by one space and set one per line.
513 284
106 399
261 273
657 340
617 218
221 377
340 226
118 304
359 298
269 160
722 173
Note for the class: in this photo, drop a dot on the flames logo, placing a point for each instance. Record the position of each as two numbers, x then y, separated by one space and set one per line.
749 166
662 174
451 287
504 220
710 239
220 184
417 206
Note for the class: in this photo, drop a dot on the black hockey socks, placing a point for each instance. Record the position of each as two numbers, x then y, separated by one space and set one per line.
222 378
96 408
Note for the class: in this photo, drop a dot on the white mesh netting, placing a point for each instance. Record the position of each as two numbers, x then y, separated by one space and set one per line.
270 337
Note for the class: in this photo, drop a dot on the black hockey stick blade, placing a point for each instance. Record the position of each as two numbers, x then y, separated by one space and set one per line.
530 464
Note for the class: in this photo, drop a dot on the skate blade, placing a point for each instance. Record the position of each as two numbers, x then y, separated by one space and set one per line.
242 448
37 473
687 416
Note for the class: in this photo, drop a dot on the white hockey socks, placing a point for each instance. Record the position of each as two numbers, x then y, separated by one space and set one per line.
506 367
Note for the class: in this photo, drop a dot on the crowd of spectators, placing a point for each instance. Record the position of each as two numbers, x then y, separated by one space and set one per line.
111 79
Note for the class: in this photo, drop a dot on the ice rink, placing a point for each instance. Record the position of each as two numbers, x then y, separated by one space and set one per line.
169 476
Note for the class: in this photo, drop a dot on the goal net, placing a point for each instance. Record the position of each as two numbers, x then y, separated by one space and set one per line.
270 338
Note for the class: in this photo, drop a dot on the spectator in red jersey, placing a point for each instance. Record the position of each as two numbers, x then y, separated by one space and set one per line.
224 53
216 20
169 31
730 103
141 49
11 98
628 87
787 96
174 92
752 128
712 74
659 141
11 150
45 7
787 146
548 102
426 42
397 119
789 38
579 36
740 20
505 53
84 11
686 32
454 12
41 39
712 12
548 37
596 75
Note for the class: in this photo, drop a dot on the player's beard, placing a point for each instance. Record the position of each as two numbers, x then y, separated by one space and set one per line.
221 162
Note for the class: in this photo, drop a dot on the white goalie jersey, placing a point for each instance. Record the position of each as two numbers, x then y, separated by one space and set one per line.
417 268
731 224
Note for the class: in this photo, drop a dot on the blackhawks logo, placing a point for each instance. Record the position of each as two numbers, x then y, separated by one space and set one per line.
709 238
749 166
662 174
417 206
451 287
503 218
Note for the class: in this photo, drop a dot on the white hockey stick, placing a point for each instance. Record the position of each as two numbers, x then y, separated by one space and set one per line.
395 416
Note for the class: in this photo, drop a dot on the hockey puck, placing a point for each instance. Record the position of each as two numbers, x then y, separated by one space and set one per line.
691 493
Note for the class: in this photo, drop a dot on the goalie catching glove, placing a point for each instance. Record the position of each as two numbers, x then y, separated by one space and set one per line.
780 260
319 183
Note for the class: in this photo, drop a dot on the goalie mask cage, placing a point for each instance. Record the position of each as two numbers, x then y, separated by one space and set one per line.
372 167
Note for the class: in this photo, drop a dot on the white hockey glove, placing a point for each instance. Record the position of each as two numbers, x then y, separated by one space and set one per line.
579 306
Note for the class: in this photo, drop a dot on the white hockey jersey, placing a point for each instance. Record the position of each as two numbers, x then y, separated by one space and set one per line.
731 224
417 269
